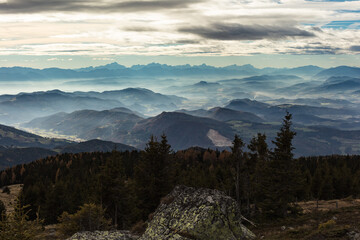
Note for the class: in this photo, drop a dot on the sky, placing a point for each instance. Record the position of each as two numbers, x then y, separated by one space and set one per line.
265 33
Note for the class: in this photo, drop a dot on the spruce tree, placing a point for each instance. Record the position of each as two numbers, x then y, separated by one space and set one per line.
282 173
112 190
237 160
152 175
259 156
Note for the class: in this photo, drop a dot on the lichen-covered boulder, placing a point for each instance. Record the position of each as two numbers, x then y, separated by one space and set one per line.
103 235
204 214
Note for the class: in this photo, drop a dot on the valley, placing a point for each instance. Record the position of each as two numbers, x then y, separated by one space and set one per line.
192 105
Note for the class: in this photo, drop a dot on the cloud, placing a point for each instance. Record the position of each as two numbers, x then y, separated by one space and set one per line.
140 29
246 32
355 48
36 6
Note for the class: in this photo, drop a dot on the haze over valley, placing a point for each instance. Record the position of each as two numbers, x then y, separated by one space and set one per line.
199 105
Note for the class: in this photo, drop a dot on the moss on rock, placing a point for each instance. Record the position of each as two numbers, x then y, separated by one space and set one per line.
197 214
103 235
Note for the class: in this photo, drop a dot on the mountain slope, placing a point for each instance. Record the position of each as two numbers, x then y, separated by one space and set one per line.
12 137
339 71
94 145
25 106
182 130
89 124
224 114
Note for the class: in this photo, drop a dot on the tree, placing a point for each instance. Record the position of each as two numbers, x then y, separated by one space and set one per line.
90 217
237 160
17 226
152 174
282 173
258 160
112 191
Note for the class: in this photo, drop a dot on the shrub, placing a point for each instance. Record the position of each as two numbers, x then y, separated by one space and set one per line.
90 217
6 190
2 210
16 225
326 225
139 228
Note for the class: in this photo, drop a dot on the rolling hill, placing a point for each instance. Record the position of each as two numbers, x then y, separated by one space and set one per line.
224 114
339 72
89 124
183 130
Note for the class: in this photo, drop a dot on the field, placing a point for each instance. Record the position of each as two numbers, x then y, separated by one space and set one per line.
9 199
334 219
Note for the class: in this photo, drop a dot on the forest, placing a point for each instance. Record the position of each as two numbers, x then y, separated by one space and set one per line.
267 183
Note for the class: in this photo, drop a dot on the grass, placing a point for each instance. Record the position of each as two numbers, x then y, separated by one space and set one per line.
9 199
327 222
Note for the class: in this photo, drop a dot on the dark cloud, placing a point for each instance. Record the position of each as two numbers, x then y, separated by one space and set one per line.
355 48
140 29
33 6
246 32
315 50
186 41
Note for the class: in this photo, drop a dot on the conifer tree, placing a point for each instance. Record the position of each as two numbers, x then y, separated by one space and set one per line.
237 161
112 189
259 156
151 174
282 173
17 226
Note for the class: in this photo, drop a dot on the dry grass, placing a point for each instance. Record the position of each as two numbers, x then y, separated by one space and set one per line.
344 219
9 199
328 205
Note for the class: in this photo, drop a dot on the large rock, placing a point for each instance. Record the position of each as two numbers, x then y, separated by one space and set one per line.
189 213
103 235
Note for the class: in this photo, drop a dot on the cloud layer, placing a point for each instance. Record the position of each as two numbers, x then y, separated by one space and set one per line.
36 6
178 28
243 32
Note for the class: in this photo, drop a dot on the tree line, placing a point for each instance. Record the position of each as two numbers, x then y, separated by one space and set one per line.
267 183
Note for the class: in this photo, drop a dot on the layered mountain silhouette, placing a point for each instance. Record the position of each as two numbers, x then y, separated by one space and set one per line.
18 147
199 105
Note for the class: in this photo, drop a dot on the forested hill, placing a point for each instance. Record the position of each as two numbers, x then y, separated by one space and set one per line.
266 183
67 181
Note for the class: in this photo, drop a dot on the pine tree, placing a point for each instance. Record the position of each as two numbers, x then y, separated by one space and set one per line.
152 174
283 175
112 191
237 160
17 226
259 156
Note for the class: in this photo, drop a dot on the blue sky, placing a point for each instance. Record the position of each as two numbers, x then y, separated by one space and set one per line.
71 34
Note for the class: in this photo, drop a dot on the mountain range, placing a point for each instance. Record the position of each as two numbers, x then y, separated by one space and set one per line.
18 147
202 106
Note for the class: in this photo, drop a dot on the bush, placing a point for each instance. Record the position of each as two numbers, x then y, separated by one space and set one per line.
2 210
139 228
16 225
326 225
6 190
90 217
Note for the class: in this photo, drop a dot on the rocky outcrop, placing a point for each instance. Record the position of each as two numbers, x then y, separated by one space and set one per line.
184 214
103 235
203 214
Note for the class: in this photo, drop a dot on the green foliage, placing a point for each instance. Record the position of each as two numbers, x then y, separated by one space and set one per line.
90 217
153 175
129 185
237 160
17 226
282 177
